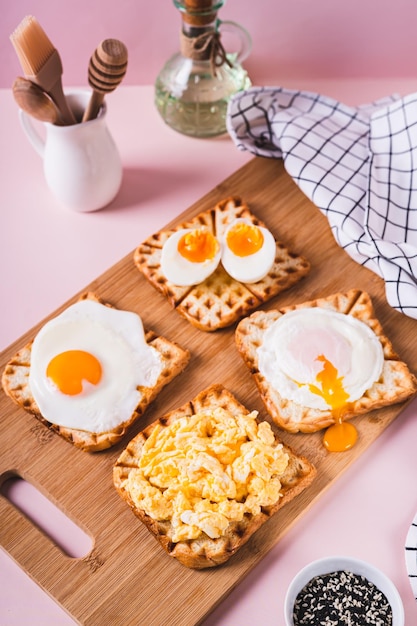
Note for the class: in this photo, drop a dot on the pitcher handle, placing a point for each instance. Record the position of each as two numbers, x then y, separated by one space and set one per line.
245 39
32 134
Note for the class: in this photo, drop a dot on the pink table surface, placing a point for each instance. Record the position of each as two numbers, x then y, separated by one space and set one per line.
48 253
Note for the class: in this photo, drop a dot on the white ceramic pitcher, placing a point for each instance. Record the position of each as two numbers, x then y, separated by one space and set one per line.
82 165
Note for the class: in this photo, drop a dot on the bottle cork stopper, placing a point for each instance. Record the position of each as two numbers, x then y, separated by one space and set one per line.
198 13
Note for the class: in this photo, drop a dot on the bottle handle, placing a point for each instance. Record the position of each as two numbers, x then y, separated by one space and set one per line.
32 134
245 39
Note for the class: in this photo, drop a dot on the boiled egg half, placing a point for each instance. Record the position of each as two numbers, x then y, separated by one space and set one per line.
87 365
248 251
189 256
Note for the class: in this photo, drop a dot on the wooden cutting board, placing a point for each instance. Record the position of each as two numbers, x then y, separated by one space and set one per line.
127 578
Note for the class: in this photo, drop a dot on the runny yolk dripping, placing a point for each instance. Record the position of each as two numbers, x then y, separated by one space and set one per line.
342 435
69 369
198 246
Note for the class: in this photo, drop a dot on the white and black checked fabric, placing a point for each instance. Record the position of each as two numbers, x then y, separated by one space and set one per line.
357 164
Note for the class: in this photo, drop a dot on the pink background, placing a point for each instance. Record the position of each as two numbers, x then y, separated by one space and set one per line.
320 39
355 51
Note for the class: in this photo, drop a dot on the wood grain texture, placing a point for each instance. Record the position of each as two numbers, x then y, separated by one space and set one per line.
128 578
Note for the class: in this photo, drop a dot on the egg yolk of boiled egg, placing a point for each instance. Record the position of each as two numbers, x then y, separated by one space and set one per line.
248 251
189 256
68 370
198 246
244 239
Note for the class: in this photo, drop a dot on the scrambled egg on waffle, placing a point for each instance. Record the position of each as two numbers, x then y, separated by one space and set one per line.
205 471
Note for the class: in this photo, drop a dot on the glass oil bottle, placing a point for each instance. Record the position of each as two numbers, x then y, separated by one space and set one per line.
193 89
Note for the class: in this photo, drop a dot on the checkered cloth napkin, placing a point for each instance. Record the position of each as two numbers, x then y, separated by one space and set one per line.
357 164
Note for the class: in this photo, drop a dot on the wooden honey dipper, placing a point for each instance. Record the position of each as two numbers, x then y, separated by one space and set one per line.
106 70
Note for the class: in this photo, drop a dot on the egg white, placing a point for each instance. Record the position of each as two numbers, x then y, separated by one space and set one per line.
116 338
251 268
291 345
181 271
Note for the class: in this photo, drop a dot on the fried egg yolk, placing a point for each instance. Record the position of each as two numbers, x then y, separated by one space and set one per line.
68 370
244 239
198 246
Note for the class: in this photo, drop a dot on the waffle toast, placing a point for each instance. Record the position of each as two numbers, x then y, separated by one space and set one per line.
395 385
220 300
15 382
205 551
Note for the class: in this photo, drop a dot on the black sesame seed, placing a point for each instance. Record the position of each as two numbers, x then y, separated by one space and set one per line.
341 598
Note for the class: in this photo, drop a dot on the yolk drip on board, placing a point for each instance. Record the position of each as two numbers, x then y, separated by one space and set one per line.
342 435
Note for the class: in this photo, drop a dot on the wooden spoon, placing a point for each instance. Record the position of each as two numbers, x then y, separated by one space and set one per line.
106 70
32 99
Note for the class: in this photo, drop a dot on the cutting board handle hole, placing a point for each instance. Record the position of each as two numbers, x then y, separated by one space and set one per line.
63 532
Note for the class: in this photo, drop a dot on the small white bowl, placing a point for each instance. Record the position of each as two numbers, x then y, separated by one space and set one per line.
348 564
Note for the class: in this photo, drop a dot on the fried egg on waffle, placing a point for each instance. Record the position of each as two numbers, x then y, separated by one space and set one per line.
91 372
